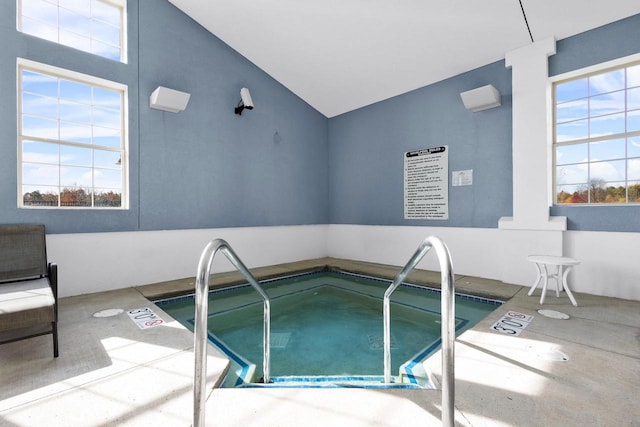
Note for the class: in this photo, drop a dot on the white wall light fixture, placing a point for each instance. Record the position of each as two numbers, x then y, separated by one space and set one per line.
166 99
482 98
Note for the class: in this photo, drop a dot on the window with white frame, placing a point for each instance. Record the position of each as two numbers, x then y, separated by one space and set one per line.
95 26
71 139
597 137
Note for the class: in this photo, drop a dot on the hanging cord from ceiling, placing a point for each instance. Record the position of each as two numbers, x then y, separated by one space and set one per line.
524 15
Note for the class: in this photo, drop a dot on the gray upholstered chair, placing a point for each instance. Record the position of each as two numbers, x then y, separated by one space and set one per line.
28 285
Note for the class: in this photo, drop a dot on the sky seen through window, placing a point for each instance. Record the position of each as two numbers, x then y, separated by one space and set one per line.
92 26
597 137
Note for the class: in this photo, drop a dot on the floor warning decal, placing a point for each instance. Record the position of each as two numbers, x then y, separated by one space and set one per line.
145 318
512 323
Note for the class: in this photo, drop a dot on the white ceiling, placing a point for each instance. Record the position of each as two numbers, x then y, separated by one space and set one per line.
339 55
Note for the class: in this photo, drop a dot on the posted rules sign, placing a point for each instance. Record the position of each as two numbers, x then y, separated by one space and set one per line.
426 183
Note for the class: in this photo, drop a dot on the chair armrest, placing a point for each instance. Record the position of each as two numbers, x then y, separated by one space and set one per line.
52 273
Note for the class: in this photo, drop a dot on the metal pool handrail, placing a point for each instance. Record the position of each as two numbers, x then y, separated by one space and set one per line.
448 320
200 325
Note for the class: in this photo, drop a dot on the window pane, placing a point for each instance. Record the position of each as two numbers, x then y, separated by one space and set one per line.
106 98
82 7
41 11
633 99
73 22
607 171
75 132
107 137
572 110
572 174
42 106
74 40
105 50
633 121
607 103
572 90
107 159
65 159
571 194
105 33
39 152
610 168
606 82
106 118
39 174
633 169
607 125
73 177
570 131
105 13
42 196
75 112
608 192
108 178
39 29
73 196
89 25
38 127
73 91
633 146
109 198
39 84
607 150
75 156
633 76
575 153
633 191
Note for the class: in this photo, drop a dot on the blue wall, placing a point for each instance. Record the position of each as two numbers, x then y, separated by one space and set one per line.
366 145
593 47
204 167
231 170
367 149
284 163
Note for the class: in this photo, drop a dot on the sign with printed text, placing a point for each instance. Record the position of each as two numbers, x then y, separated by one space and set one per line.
145 318
512 323
462 178
426 183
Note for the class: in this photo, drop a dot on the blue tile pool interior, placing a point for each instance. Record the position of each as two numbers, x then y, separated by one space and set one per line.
326 329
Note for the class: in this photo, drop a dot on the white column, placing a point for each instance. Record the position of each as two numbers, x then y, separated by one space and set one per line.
530 230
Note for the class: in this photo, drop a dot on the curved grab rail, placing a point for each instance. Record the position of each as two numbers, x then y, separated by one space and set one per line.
448 320
200 325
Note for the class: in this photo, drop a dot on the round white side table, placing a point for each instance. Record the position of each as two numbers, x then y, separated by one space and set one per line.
560 268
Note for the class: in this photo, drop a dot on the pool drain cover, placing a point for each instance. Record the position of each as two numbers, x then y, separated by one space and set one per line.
109 312
279 339
376 342
554 314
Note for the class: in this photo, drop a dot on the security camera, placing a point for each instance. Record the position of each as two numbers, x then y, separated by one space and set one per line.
245 101
246 98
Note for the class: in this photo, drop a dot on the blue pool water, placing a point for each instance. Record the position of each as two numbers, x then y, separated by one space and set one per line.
325 324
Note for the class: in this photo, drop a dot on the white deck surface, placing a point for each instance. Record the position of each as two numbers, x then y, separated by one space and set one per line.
111 373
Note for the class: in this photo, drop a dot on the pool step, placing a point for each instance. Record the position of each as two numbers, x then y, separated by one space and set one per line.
360 381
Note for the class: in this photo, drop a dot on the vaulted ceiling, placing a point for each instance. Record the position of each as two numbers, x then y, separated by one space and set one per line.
339 55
